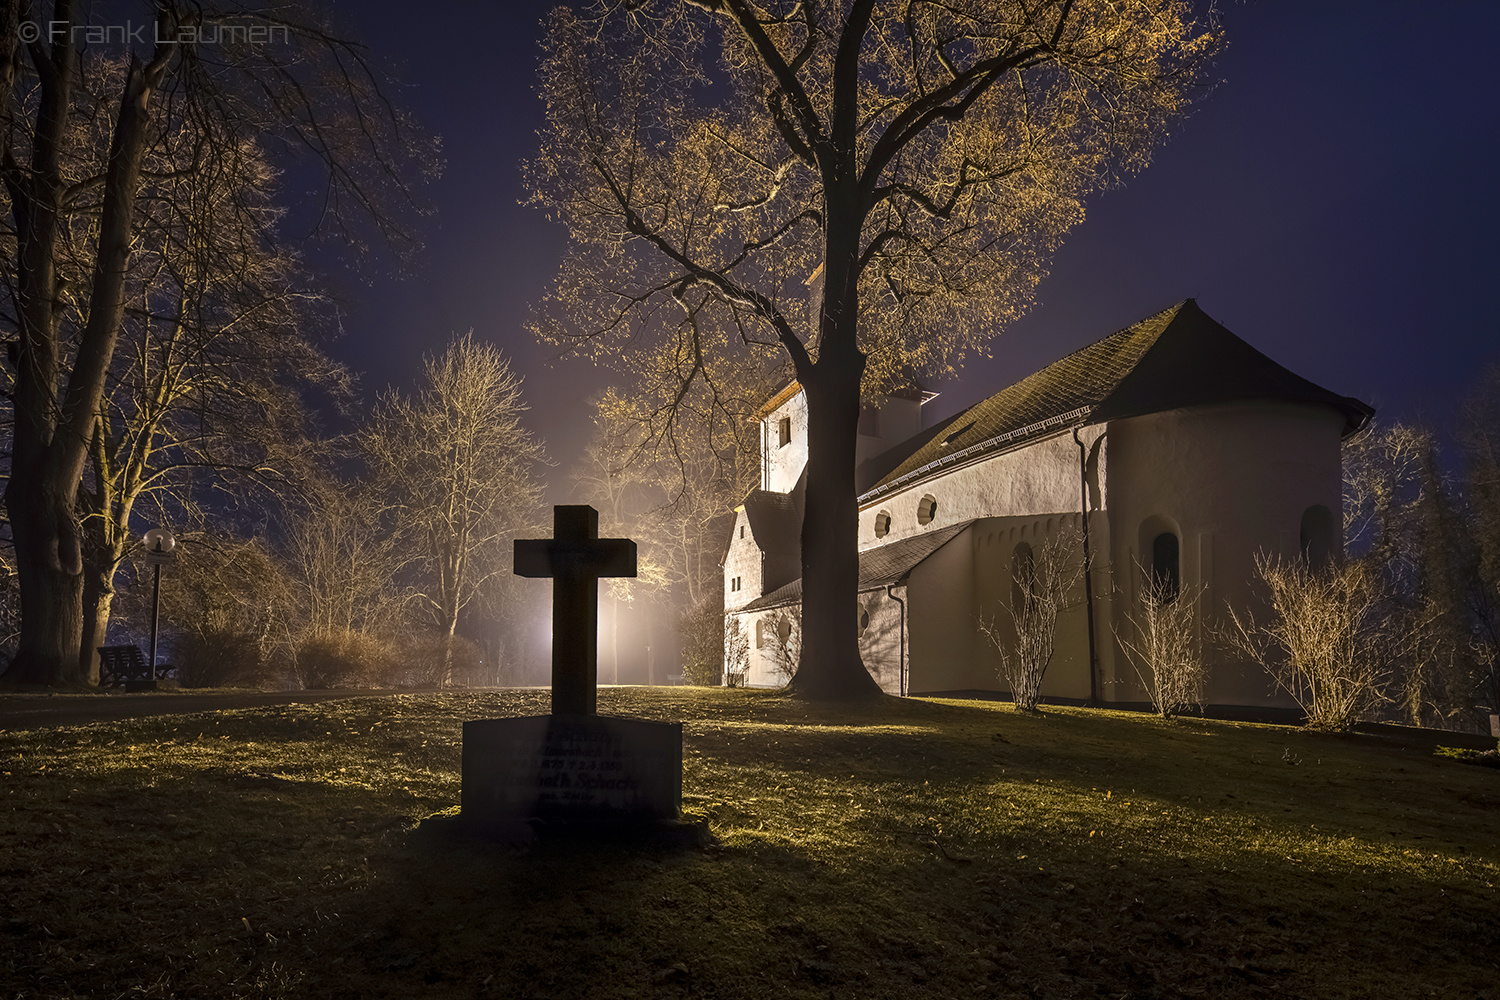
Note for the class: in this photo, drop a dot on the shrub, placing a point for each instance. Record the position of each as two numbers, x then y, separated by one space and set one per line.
420 662
1163 646
216 657
345 659
785 628
1042 583
1325 639
702 630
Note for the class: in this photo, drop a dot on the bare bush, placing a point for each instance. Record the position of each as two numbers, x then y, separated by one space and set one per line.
345 659
422 654
1043 582
784 638
1325 639
1164 647
736 652
216 657
702 629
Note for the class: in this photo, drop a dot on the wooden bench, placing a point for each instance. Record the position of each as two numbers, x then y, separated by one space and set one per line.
121 665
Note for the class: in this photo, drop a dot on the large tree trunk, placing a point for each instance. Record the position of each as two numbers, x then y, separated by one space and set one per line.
51 440
831 667
51 591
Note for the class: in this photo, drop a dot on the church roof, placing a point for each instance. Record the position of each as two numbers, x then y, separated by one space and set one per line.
1179 357
878 567
776 517
775 520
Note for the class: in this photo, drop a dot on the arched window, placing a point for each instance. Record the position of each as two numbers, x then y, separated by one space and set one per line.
882 524
864 619
926 509
1022 578
760 633
1317 536
1166 566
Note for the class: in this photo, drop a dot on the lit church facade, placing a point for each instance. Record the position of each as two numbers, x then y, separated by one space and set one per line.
1171 450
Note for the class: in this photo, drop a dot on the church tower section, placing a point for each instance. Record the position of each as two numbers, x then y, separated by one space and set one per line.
783 439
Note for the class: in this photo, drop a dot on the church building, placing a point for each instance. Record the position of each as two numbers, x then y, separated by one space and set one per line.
1171 451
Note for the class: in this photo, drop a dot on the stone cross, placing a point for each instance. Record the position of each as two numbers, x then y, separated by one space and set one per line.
575 557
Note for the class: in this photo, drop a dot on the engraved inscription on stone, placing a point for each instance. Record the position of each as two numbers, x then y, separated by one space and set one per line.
550 766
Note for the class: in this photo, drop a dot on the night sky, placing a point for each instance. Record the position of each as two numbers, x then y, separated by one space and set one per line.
1333 202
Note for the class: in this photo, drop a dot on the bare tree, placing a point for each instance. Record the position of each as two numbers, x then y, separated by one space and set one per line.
1044 582
458 469
674 489
228 608
1407 520
1163 642
307 90
911 163
1324 640
1480 436
610 478
205 392
341 560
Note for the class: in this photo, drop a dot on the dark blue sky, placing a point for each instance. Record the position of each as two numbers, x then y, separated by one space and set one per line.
1333 202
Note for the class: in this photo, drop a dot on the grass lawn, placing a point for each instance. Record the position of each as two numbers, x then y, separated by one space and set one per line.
906 849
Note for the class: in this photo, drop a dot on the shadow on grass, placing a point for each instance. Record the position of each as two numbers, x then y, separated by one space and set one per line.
907 850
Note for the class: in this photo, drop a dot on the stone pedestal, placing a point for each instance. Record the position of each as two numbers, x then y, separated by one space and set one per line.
570 769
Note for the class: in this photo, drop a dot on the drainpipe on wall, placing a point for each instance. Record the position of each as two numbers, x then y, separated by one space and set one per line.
901 650
1088 574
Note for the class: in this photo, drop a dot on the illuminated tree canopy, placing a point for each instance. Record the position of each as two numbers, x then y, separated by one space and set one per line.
863 190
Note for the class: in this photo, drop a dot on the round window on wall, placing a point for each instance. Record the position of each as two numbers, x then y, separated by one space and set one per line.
882 524
926 509
864 619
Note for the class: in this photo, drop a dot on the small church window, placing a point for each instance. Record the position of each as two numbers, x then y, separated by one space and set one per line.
882 524
742 531
864 619
926 509
760 634
1166 566
784 432
1317 536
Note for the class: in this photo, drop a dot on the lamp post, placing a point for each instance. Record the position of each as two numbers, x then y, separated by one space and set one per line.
160 543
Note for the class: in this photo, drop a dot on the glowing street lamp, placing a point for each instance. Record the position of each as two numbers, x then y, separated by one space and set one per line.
160 546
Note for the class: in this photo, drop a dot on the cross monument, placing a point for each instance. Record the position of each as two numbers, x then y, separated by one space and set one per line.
573 769
575 557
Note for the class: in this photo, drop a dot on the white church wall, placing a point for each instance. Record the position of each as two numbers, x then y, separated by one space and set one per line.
940 625
995 543
970 577
1040 478
880 641
1229 480
742 562
782 464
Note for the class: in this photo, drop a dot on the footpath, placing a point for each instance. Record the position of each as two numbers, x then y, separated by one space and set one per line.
34 711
